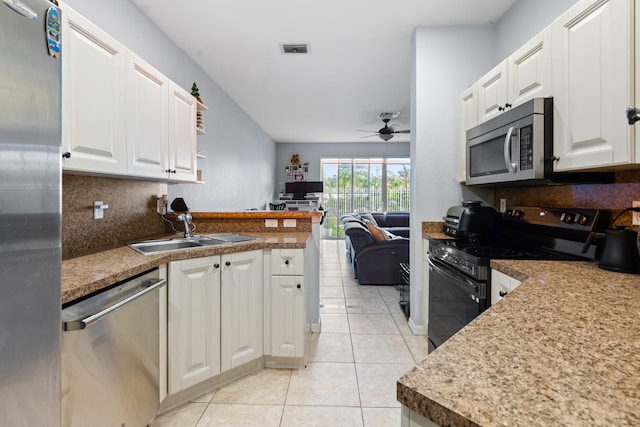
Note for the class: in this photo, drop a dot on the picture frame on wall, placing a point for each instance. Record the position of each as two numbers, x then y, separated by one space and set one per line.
298 177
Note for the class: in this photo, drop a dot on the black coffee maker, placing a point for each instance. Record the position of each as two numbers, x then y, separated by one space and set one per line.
619 247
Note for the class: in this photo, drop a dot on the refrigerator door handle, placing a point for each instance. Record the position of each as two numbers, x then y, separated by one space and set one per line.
21 8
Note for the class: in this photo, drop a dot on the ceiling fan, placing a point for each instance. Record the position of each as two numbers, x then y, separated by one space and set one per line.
386 133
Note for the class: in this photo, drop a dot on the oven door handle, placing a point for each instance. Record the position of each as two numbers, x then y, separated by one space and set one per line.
511 167
461 282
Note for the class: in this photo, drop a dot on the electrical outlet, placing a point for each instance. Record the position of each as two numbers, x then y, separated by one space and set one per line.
635 215
503 205
271 223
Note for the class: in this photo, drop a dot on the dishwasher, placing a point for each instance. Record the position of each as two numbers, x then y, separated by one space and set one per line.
110 355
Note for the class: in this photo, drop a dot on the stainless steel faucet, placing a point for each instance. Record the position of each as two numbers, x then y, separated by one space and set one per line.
186 218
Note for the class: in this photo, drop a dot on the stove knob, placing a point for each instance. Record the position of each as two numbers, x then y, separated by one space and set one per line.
582 219
567 217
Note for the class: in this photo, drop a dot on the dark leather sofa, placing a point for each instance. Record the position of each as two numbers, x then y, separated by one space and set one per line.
377 262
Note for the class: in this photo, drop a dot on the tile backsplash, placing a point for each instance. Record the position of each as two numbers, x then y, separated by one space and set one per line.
131 213
615 196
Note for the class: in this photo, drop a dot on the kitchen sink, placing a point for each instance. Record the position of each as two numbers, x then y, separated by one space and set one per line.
179 243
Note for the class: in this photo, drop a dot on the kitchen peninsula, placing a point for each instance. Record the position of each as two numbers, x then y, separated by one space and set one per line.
561 349
249 300
91 271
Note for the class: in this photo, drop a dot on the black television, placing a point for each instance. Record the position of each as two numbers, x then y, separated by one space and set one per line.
299 189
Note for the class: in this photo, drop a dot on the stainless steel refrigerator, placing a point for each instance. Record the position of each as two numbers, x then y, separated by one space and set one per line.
30 214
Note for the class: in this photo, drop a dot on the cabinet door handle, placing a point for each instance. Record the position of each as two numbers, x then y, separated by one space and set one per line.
298 286
286 262
66 155
216 265
228 263
503 293
633 115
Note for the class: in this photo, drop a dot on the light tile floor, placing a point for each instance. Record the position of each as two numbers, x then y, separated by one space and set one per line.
350 380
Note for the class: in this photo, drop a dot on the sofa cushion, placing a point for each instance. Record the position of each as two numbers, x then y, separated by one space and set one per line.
396 219
378 234
370 218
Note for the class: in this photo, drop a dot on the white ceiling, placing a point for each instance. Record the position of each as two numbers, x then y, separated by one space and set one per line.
358 65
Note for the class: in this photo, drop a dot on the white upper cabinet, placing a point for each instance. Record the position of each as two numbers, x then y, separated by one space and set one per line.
530 69
492 92
148 119
121 116
524 75
469 108
182 134
593 79
93 97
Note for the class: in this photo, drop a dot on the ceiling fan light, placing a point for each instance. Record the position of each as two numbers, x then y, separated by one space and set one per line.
386 136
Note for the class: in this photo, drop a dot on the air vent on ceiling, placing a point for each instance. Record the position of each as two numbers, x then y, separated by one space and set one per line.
295 48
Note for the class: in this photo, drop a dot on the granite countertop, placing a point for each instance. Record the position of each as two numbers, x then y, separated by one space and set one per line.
91 272
561 349
258 214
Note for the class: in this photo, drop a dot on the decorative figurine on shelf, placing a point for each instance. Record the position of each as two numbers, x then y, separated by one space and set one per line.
295 160
195 92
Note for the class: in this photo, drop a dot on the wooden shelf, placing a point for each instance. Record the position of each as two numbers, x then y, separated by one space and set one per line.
199 108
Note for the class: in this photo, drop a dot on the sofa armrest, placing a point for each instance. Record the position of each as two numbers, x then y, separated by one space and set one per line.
379 262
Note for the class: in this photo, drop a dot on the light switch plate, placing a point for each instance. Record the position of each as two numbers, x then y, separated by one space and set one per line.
289 223
271 223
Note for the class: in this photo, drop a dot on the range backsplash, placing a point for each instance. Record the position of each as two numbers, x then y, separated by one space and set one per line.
131 213
614 197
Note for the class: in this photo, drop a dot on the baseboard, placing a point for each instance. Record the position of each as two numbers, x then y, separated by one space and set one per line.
316 328
207 386
417 329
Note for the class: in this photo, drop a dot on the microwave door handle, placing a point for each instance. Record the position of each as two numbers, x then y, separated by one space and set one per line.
511 167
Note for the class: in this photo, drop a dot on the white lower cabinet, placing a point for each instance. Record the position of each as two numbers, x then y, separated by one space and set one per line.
214 316
241 311
501 285
193 321
287 316
287 302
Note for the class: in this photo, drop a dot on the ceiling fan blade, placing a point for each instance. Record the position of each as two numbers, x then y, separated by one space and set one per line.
369 136
402 131
370 131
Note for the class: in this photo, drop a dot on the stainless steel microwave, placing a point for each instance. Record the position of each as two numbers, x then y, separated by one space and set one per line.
516 148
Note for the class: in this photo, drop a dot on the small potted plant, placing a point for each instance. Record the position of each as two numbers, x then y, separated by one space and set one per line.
195 92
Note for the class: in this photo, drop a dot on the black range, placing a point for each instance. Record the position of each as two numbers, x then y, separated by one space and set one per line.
459 268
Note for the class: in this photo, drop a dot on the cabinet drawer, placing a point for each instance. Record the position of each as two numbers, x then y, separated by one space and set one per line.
287 262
